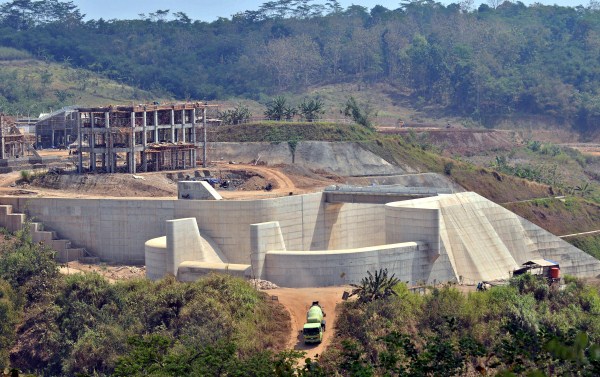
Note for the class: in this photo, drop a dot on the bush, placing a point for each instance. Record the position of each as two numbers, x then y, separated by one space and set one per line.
9 315
507 329
448 168
29 268
26 176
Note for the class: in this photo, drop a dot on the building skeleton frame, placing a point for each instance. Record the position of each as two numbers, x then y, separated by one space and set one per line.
146 137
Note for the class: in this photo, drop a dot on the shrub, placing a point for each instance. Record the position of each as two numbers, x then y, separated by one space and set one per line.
9 314
26 176
448 168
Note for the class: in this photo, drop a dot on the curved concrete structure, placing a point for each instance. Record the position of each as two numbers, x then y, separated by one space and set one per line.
408 261
156 258
460 237
182 244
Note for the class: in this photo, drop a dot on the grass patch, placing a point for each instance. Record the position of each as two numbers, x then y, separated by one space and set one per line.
560 217
9 53
291 131
590 244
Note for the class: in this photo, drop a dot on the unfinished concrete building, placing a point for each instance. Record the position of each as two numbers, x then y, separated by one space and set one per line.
140 138
13 143
57 129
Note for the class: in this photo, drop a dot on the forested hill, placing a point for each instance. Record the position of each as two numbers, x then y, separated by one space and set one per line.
485 63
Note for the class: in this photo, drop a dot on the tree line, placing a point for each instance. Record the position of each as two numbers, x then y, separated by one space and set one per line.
488 63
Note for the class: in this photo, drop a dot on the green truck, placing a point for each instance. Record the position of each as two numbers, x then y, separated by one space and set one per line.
315 324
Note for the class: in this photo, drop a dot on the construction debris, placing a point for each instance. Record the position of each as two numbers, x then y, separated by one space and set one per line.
263 284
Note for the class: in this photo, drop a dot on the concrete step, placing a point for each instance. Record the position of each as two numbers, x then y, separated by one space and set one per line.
64 250
5 209
15 221
36 227
89 260
69 255
43 236
59 245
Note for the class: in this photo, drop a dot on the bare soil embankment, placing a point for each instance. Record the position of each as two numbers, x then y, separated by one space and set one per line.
459 141
560 217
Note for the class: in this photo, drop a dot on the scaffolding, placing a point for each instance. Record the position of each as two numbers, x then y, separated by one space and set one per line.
140 138
13 144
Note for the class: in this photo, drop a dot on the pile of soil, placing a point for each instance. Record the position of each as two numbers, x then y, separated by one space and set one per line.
255 183
111 185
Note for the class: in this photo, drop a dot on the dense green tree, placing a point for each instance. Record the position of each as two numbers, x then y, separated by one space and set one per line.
490 63
239 114
311 109
9 315
278 109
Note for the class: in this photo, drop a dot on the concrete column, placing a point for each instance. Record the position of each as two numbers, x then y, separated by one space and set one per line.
264 237
131 162
92 142
193 137
80 140
144 143
109 144
172 125
183 125
204 157
156 139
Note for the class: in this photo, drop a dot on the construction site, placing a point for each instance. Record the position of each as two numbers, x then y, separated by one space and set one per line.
312 220
140 138
308 230
128 139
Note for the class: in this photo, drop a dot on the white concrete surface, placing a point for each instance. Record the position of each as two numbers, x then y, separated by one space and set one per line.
321 268
197 190
461 236
485 241
156 258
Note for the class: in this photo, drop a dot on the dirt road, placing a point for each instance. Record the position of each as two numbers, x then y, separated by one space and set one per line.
297 301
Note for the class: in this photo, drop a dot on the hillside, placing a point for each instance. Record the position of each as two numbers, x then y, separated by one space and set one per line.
33 86
510 64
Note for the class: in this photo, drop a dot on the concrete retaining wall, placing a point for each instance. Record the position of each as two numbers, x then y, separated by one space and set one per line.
117 229
409 261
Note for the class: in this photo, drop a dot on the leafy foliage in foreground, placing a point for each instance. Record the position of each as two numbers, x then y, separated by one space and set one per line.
522 328
375 286
80 324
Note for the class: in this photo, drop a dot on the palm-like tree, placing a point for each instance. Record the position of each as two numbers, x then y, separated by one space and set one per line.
375 287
